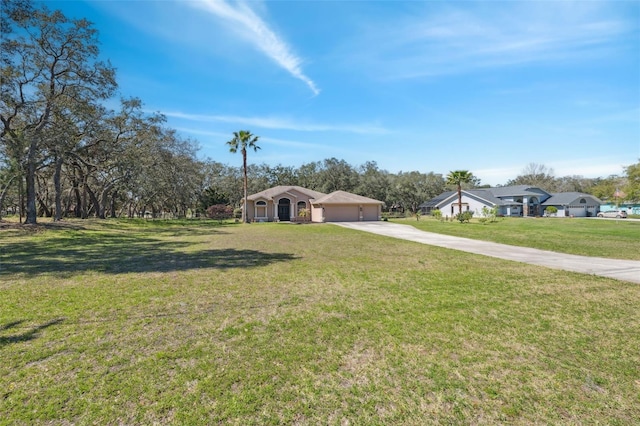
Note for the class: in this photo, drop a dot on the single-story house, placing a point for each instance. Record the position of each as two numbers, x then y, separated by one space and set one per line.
574 204
296 204
518 200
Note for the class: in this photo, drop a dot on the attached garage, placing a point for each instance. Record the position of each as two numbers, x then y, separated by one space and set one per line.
296 204
574 204
338 213
341 206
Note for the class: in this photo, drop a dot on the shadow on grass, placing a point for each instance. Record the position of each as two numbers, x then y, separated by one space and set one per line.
27 335
124 253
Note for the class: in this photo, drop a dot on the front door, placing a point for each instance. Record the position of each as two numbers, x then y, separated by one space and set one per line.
284 210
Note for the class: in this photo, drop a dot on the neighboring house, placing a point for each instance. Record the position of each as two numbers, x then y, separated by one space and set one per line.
285 203
574 204
519 200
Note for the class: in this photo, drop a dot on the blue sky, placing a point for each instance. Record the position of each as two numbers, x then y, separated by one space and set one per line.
486 86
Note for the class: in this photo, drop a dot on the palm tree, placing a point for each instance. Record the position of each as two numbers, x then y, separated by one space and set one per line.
243 140
458 177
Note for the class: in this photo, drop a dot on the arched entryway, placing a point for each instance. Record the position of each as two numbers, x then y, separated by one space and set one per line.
284 210
534 207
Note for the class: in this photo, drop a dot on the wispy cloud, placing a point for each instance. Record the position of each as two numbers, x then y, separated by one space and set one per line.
272 141
243 19
279 123
446 40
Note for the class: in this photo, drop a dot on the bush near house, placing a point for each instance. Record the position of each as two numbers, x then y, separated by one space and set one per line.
489 215
464 216
220 212
304 214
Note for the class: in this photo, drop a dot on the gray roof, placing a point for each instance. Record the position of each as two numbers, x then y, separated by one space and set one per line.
343 197
437 200
568 198
268 194
516 190
486 194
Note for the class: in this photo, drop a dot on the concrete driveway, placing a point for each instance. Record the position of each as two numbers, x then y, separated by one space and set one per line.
625 270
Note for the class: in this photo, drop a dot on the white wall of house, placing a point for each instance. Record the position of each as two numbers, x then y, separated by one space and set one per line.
317 213
577 210
450 208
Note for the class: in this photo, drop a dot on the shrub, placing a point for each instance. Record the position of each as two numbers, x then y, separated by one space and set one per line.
305 214
220 212
464 216
490 214
394 215
437 214
237 213
551 210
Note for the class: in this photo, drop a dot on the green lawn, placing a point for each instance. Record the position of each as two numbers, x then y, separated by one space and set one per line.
616 239
120 322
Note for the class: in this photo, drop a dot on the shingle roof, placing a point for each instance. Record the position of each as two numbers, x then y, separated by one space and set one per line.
492 195
342 197
281 189
437 200
515 190
567 198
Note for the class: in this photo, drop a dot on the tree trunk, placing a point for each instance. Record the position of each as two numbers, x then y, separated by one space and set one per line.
84 209
103 202
113 204
31 183
4 194
58 188
459 199
67 205
21 198
78 208
95 203
44 209
245 209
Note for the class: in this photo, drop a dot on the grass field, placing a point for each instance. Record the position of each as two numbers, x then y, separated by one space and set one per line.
131 322
616 239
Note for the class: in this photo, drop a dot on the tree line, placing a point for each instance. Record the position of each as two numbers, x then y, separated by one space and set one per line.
63 153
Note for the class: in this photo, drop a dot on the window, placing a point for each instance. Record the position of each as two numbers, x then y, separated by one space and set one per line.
583 201
261 209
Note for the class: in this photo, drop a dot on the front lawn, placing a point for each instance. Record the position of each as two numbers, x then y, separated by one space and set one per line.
616 239
131 322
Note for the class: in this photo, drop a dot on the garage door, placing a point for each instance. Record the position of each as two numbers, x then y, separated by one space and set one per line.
341 213
370 213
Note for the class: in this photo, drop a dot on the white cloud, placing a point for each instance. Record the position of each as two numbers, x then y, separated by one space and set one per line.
279 123
444 40
256 31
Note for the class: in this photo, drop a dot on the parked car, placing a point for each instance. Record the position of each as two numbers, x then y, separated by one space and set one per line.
618 214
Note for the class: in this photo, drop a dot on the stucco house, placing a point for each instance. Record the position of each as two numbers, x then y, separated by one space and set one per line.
285 204
518 200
